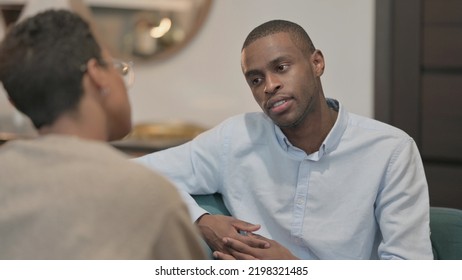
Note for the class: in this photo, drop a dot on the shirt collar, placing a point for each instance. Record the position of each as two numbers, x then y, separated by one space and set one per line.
329 144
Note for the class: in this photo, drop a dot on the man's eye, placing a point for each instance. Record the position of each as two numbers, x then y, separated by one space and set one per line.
256 81
282 67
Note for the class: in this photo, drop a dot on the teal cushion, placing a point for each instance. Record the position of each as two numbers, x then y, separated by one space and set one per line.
446 233
213 203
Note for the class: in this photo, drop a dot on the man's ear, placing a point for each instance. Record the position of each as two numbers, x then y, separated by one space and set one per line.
96 73
317 60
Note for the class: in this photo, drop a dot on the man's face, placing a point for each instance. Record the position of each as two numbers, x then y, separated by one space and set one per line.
284 81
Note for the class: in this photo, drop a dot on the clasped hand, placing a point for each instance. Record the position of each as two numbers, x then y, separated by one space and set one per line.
222 234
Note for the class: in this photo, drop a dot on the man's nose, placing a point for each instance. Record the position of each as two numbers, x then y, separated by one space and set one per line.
272 84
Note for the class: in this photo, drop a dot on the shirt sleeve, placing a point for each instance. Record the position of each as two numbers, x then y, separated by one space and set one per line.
402 207
194 168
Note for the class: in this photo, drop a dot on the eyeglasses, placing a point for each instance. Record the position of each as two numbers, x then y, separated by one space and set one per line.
125 69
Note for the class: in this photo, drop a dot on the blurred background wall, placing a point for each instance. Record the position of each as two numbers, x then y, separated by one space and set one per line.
203 83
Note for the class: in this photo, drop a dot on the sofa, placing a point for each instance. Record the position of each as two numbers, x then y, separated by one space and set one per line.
445 226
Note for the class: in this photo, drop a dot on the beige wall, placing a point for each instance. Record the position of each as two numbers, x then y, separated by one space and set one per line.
203 83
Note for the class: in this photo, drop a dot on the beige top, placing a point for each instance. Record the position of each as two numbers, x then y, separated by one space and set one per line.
66 198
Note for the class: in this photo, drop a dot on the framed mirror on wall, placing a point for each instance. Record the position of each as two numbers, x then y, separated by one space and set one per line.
132 30
148 29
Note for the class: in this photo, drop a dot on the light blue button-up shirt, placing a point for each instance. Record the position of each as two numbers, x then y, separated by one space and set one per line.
363 195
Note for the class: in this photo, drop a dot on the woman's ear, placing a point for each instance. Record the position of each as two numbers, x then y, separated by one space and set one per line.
96 73
317 60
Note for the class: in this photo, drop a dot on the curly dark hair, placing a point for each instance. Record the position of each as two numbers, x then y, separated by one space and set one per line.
41 61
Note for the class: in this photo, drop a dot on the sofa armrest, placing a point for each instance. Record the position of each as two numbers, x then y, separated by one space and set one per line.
446 233
213 203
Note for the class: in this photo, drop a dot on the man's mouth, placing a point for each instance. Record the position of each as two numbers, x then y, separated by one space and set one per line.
279 103
279 106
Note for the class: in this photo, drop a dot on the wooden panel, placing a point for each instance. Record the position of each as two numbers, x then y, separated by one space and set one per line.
383 65
418 60
406 66
442 116
442 11
442 47
445 185
398 64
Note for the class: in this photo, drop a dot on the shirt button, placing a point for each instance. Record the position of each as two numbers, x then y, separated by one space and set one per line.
300 201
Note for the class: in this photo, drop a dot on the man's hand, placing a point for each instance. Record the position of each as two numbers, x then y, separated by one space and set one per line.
215 228
238 250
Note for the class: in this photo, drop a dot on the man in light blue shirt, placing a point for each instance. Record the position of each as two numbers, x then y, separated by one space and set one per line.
305 178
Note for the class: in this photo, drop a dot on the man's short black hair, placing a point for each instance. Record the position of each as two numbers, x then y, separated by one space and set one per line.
296 32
